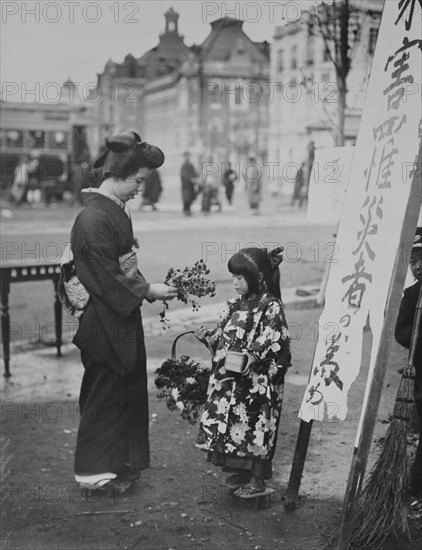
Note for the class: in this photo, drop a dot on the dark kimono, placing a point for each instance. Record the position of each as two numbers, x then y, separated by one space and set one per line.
113 430
240 419
153 188
187 176
403 334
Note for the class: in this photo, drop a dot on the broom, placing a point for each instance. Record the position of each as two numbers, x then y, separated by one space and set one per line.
382 506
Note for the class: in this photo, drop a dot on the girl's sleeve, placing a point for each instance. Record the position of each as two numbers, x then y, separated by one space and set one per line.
211 337
272 346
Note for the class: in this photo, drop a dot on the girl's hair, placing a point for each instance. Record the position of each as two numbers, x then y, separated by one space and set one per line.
250 262
125 154
242 264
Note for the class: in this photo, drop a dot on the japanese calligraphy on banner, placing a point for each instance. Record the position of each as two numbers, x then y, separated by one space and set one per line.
369 231
327 184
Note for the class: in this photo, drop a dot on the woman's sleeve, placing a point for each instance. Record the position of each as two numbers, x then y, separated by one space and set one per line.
94 247
272 346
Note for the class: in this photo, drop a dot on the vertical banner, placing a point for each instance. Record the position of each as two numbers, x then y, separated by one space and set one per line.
328 183
373 214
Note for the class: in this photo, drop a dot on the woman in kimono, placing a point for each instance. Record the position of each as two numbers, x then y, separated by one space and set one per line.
112 444
240 419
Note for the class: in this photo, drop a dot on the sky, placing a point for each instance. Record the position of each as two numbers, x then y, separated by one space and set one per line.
47 41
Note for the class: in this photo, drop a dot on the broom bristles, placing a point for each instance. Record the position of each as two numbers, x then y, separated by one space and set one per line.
382 507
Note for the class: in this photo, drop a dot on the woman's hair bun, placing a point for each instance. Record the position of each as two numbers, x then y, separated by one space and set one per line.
122 142
133 151
152 155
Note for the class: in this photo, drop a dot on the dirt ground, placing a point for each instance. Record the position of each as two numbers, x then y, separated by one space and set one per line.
180 502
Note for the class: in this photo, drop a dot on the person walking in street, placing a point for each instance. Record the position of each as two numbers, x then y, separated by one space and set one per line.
152 190
229 179
300 187
403 334
20 181
240 419
113 441
33 194
188 176
253 181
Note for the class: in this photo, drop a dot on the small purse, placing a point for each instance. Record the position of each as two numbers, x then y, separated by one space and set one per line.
236 361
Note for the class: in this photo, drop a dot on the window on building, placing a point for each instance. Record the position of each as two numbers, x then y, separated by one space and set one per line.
326 55
14 138
373 35
58 140
325 76
280 60
293 57
310 49
36 139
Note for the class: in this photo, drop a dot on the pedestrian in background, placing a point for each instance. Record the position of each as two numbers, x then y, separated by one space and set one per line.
229 179
299 190
152 190
188 176
20 181
113 441
241 416
403 334
253 181
33 194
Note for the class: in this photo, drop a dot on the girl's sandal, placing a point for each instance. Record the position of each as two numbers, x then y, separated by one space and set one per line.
236 481
251 491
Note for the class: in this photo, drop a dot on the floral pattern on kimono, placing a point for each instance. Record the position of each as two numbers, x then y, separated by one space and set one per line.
242 413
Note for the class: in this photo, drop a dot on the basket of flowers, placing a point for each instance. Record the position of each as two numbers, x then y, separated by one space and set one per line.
183 383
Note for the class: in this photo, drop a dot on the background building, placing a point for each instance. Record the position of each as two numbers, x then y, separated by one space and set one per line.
303 110
211 99
58 134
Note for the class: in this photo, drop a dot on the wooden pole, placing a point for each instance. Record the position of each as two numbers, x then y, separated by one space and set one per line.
298 464
299 459
361 451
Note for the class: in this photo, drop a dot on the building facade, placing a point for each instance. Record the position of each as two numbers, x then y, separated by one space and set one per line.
304 107
57 133
211 99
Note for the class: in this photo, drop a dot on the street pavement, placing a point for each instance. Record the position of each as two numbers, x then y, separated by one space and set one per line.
37 374
38 364
275 211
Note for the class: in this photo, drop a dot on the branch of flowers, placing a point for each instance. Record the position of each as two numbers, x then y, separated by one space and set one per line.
189 282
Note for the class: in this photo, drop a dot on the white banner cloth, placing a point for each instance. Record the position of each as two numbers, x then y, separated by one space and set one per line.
373 214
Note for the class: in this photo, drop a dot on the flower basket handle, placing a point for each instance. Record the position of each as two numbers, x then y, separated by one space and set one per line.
173 347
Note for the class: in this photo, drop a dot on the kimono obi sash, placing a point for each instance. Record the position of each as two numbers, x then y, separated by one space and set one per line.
72 293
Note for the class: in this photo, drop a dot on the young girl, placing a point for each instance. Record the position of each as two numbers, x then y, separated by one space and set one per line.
240 420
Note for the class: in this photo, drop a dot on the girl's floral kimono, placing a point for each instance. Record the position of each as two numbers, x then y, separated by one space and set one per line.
240 419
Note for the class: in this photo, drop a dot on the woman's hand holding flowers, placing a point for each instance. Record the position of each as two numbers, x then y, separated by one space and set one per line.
161 291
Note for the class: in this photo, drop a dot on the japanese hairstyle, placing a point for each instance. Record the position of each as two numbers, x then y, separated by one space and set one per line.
125 154
250 262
